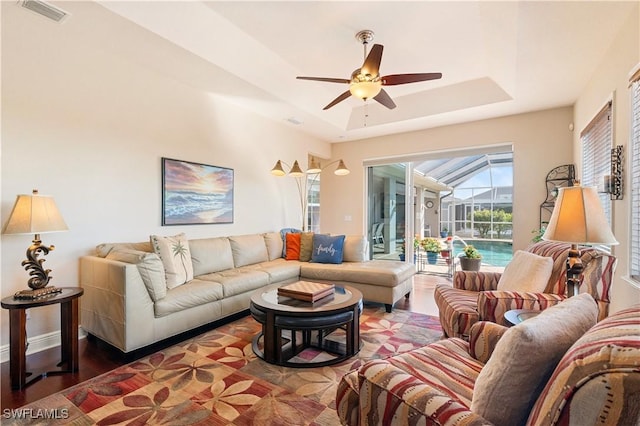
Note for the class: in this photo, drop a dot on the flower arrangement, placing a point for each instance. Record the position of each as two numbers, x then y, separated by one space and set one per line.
431 245
471 252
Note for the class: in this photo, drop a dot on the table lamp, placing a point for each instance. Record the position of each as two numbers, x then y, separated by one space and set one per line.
578 218
35 214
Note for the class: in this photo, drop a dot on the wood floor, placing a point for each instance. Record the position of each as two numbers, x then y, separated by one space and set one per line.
97 358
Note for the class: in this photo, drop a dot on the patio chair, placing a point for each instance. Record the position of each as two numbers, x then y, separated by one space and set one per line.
474 296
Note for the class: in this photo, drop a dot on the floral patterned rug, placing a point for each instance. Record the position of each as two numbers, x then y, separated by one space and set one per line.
215 379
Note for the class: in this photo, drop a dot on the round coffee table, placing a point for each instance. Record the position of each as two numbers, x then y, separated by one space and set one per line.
290 326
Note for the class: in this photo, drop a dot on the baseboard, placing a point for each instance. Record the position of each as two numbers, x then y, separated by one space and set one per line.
40 343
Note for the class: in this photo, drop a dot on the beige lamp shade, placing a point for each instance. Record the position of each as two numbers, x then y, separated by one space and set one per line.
578 218
34 214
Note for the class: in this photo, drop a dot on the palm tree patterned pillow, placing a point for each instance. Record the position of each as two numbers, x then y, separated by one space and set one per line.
176 258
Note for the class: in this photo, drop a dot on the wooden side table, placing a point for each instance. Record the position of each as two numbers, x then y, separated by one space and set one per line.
68 300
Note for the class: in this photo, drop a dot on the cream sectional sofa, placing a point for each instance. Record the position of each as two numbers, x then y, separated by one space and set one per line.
127 303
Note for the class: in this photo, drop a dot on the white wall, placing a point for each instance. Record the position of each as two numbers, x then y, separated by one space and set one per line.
89 127
541 141
610 82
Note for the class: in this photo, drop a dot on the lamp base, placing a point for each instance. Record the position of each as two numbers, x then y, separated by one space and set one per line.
37 293
574 270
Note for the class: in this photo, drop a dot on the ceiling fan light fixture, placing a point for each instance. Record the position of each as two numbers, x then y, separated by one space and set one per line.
364 86
365 89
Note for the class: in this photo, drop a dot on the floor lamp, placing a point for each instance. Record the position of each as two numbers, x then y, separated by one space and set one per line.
578 218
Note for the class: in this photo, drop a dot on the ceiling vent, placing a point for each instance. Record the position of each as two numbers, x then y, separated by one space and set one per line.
45 9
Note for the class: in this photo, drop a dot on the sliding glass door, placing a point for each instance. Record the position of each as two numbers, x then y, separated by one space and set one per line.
387 210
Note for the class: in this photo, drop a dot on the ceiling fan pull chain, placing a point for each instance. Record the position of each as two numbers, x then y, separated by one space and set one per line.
366 112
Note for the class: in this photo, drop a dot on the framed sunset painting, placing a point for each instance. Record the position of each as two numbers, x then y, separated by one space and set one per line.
196 194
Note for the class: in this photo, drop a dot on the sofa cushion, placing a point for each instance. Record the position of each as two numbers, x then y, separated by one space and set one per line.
386 273
248 249
327 248
176 258
293 246
306 246
527 272
238 280
150 269
356 249
525 357
279 270
210 255
194 293
274 244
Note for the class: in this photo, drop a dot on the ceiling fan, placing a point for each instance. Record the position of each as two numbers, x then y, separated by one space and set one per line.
366 82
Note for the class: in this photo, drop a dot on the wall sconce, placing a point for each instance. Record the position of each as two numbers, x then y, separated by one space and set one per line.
614 183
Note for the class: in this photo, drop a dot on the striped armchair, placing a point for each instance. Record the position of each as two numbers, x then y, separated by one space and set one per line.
473 296
594 379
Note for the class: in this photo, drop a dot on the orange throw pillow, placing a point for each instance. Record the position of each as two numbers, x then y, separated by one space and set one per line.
293 246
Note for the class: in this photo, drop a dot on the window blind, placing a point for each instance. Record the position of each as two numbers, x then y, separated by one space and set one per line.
596 154
635 177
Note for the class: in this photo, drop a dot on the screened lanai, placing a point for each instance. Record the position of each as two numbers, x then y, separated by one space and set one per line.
465 199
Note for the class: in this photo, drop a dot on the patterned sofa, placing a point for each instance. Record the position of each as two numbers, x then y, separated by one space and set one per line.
549 370
474 296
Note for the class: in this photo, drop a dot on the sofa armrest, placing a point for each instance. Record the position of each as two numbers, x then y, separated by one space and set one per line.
476 281
492 305
116 306
389 395
483 337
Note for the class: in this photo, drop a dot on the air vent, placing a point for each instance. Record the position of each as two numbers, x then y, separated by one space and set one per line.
45 9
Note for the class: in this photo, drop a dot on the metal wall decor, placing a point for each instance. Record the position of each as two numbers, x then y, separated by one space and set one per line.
615 184
558 177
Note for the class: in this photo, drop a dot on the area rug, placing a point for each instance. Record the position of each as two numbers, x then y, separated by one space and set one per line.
216 379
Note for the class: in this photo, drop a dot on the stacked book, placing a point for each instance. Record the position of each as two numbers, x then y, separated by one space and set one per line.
306 291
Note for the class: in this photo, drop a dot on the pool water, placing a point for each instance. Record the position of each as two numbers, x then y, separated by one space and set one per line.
495 253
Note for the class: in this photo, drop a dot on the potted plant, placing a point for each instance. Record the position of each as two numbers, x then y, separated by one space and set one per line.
432 247
470 258
444 233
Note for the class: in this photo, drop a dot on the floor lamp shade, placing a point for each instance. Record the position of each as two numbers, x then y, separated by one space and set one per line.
578 218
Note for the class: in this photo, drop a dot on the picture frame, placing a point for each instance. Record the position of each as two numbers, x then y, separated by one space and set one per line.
196 193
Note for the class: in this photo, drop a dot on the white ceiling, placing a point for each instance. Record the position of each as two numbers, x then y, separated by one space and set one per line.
497 58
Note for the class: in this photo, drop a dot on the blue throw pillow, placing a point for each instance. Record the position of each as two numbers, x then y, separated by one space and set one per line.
327 249
283 235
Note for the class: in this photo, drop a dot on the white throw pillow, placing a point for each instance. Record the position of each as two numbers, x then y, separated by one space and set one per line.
527 272
176 258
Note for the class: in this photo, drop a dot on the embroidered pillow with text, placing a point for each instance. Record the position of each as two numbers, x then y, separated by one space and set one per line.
327 249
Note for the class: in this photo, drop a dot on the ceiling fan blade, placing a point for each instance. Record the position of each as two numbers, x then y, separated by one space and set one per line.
326 79
384 98
372 63
340 98
394 79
